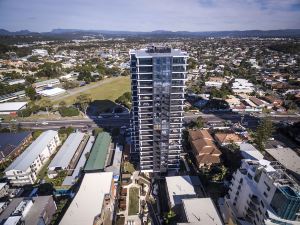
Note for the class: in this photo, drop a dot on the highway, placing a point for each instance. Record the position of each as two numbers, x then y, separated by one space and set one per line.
251 121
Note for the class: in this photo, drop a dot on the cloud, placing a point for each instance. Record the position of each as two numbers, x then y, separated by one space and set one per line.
145 15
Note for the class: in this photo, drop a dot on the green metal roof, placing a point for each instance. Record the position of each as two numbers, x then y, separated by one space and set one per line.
96 160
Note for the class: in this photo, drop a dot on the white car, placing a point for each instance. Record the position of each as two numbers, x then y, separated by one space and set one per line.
44 123
100 117
116 116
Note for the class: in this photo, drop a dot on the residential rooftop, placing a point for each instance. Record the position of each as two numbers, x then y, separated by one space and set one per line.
98 155
23 161
67 151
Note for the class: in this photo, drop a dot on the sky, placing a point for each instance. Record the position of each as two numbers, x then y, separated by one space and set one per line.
149 15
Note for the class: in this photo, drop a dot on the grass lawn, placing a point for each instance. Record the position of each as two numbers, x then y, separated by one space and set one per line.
107 91
133 201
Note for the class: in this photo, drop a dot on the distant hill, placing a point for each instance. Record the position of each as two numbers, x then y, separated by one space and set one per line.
157 33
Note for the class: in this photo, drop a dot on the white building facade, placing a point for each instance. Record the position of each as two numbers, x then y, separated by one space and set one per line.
262 193
24 169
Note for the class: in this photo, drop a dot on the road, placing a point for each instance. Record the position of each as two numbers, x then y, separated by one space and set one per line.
123 120
56 124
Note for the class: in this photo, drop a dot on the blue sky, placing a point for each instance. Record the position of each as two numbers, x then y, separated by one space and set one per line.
148 15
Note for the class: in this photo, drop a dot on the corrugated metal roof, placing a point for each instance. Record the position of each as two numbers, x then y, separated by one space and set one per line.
32 152
96 160
67 151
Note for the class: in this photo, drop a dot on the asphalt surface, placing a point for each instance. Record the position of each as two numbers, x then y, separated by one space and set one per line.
250 121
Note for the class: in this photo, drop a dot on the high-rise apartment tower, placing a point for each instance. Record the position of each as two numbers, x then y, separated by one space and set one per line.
158 76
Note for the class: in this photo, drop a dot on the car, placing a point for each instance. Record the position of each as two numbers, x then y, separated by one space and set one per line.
123 127
116 116
13 120
44 123
100 117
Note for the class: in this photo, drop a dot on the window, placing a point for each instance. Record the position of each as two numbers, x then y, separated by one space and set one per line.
265 194
268 187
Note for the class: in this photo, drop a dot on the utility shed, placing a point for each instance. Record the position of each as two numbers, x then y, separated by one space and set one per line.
98 155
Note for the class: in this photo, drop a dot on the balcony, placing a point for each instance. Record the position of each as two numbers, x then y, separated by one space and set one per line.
177 83
144 69
145 77
145 91
145 84
178 69
177 102
178 76
177 96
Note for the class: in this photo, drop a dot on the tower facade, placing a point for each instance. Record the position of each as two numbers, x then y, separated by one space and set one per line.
158 76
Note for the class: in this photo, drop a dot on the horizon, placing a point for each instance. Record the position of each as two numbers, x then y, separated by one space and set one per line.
144 16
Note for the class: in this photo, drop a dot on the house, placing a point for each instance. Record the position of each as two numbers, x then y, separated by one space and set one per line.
12 144
215 82
29 211
24 169
200 211
204 150
39 52
227 138
94 201
242 86
12 108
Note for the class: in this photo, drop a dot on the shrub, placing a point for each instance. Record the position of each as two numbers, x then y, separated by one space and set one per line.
68 111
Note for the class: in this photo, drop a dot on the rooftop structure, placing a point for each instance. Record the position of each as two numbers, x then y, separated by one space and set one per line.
286 157
52 92
72 178
63 158
98 155
179 188
205 151
248 151
12 107
201 211
227 138
12 142
35 211
46 83
88 205
7 97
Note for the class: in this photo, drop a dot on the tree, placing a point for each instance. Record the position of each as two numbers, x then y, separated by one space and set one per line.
46 104
199 123
30 93
263 133
83 102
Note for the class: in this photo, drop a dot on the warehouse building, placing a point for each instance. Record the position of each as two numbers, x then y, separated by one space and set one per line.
12 108
24 169
73 145
93 203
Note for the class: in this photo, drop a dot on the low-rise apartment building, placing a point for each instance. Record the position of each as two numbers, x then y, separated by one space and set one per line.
261 192
24 169
204 149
